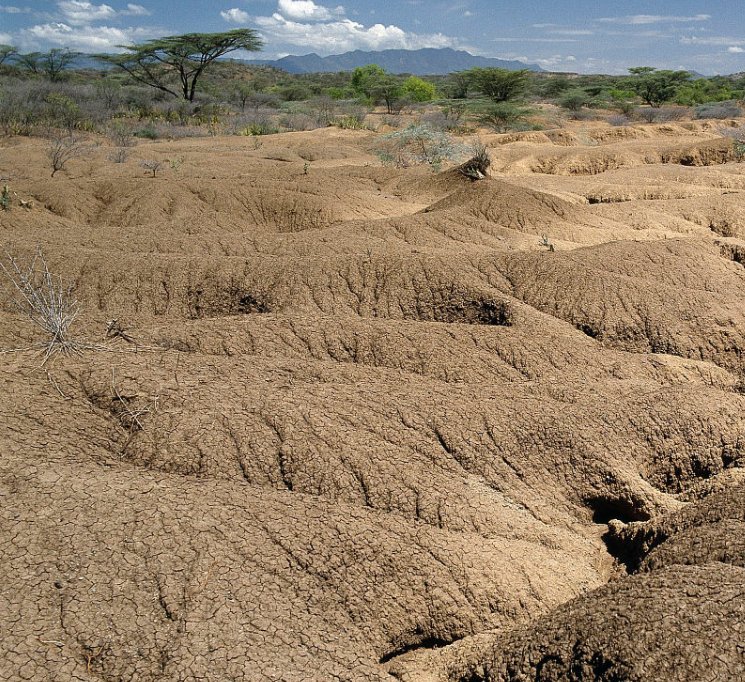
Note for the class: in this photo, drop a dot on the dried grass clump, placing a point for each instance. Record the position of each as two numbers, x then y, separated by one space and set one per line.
44 300
475 168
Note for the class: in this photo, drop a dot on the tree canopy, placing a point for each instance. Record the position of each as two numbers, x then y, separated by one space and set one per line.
375 83
51 64
174 64
656 87
499 85
7 51
418 89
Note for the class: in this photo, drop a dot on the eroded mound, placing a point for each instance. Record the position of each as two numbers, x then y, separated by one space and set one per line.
681 623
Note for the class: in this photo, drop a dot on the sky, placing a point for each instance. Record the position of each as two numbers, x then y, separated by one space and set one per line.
585 36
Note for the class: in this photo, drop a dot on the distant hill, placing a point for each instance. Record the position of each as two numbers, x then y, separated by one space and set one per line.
424 62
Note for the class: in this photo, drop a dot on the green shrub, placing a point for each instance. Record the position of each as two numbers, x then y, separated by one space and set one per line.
502 117
147 133
419 90
574 100
352 119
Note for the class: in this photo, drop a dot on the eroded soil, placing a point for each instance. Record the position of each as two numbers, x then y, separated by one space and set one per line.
358 423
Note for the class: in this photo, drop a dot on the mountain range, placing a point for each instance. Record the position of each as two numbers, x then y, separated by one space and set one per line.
424 62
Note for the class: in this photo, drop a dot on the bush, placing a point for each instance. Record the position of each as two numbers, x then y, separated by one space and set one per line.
352 117
351 122
417 144
43 300
121 135
618 120
582 115
419 90
673 113
737 134
61 148
718 110
662 114
502 117
120 155
257 123
147 133
295 122
646 114
574 100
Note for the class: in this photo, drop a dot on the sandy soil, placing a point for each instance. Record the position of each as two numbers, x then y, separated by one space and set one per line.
357 423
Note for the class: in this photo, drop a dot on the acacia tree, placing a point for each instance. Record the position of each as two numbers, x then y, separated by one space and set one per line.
174 64
656 87
375 83
499 85
6 52
51 64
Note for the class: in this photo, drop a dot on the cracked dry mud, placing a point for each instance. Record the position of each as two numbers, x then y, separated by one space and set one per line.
362 425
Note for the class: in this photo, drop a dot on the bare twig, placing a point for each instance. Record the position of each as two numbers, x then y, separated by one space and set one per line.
61 148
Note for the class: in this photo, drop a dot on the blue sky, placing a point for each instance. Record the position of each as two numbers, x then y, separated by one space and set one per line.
583 35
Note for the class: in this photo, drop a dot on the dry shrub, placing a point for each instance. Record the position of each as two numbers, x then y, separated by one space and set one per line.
43 299
646 114
618 120
61 148
151 165
673 113
120 155
718 110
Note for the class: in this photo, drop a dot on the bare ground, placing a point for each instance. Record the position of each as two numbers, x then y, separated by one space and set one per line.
358 423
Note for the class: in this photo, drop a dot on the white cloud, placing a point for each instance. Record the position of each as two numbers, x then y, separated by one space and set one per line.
10 9
80 12
640 19
734 49
469 13
235 16
307 10
713 40
84 39
345 35
535 40
552 62
571 32
136 11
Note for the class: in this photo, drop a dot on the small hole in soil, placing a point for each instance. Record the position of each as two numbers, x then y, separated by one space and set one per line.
605 509
248 303
588 329
485 312
426 643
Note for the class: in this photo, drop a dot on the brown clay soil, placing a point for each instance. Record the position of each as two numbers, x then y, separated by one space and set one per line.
357 423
